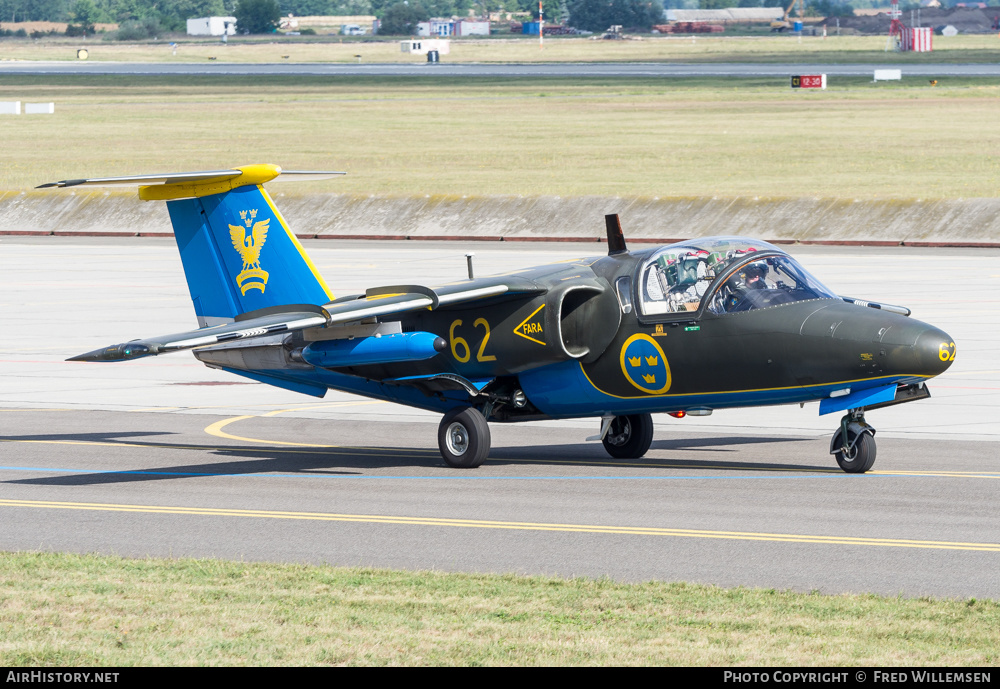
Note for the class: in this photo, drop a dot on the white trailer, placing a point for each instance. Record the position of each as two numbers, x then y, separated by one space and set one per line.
212 26
420 46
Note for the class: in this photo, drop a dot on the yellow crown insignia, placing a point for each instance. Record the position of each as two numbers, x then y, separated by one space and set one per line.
251 213
649 378
651 360
249 246
634 360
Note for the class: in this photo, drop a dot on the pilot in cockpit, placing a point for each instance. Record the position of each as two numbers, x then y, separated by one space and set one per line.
753 275
734 292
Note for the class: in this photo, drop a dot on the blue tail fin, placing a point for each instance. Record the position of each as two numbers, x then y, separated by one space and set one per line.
239 255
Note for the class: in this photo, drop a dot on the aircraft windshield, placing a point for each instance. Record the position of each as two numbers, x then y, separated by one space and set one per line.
676 278
771 281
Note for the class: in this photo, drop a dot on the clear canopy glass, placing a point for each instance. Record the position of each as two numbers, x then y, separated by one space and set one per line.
678 278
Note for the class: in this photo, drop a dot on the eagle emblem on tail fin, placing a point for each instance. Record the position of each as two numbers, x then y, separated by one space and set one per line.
248 246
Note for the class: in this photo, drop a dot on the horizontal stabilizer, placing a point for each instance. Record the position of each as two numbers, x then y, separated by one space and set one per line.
191 177
172 178
181 185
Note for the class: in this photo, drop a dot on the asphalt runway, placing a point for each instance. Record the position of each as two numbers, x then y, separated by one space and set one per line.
165 457
485 70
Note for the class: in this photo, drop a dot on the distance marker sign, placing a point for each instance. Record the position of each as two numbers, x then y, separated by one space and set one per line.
809 81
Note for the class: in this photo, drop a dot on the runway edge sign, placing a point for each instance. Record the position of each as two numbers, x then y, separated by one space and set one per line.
809 81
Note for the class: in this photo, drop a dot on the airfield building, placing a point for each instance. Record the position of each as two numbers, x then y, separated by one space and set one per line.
211 26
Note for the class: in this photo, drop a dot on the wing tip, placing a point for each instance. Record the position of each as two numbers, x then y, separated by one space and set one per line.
62 183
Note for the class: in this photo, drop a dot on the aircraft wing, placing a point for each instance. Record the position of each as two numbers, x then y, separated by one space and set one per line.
238 330
376 302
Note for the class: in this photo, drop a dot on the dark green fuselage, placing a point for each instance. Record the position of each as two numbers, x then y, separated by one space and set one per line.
576 350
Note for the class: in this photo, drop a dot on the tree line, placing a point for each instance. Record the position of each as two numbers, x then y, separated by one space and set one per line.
142 18
146 18
173 13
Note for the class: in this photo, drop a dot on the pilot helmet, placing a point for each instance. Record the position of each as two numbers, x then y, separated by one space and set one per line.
754 272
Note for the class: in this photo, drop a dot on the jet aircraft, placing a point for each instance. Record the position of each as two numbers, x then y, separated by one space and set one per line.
682 329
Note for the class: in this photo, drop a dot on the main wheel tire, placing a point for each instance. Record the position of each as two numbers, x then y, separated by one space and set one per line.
861 457
464 438
629 436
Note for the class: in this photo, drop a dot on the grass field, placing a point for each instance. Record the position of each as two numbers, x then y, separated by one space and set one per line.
71 610
693 48
631 137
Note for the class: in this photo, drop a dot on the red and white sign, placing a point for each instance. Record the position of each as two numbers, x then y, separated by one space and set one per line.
809 81
917 40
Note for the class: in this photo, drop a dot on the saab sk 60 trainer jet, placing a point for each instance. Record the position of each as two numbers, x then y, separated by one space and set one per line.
681 329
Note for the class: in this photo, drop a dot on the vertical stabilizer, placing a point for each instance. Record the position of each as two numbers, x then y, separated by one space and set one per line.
237 251
239 255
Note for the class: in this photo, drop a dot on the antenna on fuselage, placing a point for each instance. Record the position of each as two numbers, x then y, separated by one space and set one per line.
616 240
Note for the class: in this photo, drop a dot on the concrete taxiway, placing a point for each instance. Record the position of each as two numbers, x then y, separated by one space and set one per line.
163 456
491 71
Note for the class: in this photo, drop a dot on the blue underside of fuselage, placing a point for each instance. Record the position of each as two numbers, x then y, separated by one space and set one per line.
563 391
318 381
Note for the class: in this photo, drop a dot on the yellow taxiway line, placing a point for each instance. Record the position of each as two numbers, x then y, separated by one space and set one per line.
215 429
516 526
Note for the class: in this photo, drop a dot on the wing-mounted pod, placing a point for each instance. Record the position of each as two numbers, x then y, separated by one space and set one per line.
585 316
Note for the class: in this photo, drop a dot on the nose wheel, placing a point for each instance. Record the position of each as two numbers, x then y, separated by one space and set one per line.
853 444
464 438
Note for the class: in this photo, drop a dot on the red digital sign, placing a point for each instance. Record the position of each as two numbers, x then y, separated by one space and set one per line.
809 81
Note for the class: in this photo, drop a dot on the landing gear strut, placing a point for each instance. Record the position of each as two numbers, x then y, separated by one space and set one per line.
629 437
853 444
464 438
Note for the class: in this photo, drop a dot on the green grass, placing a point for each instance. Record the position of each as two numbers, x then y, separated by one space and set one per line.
604 137
59 609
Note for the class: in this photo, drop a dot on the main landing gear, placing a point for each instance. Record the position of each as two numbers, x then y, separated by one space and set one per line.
629 437
853 444
464 438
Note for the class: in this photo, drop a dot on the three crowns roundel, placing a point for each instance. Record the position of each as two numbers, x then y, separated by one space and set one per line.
644 364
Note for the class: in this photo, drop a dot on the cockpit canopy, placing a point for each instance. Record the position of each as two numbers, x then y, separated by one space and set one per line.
730 274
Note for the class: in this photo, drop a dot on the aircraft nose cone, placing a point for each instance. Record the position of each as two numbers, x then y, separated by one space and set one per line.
934 351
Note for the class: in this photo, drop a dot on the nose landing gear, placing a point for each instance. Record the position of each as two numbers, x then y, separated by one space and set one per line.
853 444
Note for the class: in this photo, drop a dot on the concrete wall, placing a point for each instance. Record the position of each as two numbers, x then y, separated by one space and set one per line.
967 221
